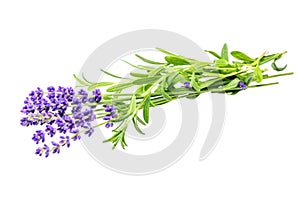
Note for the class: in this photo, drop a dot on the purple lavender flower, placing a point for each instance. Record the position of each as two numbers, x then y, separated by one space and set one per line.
39 151
56 148
91 100
97 94
26 122
46 149
50 108
65 140
89 130
109 124
50 130
38 136
187 84
242 85
84 95
112 114
109 108
76 137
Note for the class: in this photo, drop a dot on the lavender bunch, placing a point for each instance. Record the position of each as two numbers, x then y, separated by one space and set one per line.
65 115
69 114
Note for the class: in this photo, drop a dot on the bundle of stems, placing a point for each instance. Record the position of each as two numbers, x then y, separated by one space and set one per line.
159 82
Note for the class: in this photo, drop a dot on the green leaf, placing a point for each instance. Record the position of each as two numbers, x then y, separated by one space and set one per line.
208 83
164 51
248 78
232 84
141 67
156 71
134 74
176 60
132 105
112 75
148 61
258 74
80 81
221 62
224 53
164 93
140 120
114 137
123 142
145 80
194 83
241 56
136 126
139 90
214 54
100 84
119 87
179 78
142 89
276 68
146 109
271 57
121 118
170 78
84 78
267 58
180 91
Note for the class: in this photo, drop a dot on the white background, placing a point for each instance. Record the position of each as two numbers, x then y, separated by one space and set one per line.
257 159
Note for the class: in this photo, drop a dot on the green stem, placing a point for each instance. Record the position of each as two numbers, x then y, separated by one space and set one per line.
260 85
277 75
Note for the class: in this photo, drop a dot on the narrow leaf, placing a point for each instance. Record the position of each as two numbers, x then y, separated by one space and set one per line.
80 81
232 84
170 79
123 142
164 51
194 83
119 87
113 138
142 67
140 120
148 61
84 78
275 67
100 84
134 74
214 54
224 53
241 56
221 62
208 83
112 75
136 126
157 71
146 109
176 60
132 105
145 80
164 93
122 118
269 58
248 78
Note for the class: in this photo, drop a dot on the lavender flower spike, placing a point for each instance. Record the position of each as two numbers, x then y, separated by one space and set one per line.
61 110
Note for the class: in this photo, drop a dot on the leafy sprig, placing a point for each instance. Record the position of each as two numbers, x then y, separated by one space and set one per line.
180 77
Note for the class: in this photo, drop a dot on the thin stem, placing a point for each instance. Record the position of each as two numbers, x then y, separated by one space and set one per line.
266 84
277 75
